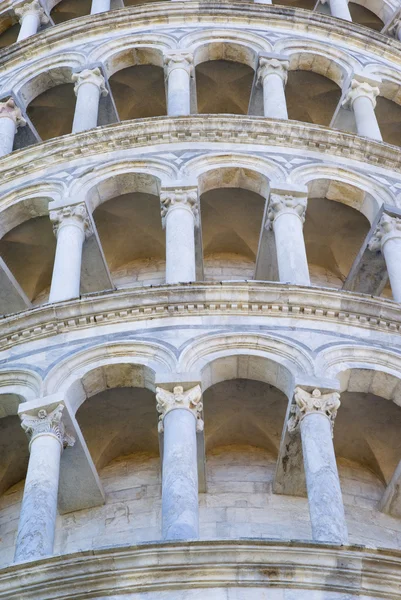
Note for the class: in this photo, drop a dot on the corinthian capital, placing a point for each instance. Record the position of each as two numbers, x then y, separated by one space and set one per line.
44 423
9 110
76 214
361 89
189 400
31 8
273 66
93 76
387 228
176 197
286 203
307 403
176 59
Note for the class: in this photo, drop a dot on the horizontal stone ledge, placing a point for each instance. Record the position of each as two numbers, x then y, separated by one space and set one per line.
248 563
240 299
219 129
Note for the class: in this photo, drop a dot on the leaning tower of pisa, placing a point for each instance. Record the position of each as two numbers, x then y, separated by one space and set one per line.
200 288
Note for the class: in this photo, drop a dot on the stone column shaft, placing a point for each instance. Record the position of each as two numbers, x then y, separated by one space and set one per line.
272 73
89 86
339 9
37 521
179 209
10 120
362 99
178 67
180 420
70 225
387 238
99 6
31 16
287 214
315 413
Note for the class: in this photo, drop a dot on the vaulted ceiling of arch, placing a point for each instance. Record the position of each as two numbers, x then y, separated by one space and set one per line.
14 452
52 112
311 97
223 87
389 117
139 92
70 9
10 33
362 15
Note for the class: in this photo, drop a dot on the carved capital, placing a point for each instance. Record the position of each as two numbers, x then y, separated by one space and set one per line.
93 76
76 214
273 66
9 110
307 403
44 423
178 60
286 203
31 8
387 228
174 198
189 400
360 89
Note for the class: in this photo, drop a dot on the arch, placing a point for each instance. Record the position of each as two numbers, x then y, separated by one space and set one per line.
114 179
17 386
276 361
368 204
119 364
390 85
381 8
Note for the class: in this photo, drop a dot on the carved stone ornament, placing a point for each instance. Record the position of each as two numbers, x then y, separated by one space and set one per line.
360 89
280 203
77 213
273 66
190 400
44 423
178 60
313 402
183 197
388 227
29 8
10 110
93 76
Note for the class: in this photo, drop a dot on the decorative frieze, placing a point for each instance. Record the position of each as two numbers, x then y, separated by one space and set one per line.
47 422
189 400
313 402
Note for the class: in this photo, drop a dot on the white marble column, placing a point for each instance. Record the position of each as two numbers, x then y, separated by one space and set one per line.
10 120
315 413
179 421
99 6
339 9
387 238
287 215
179 209
37 520
272 74
178 69
70 225
361 97
31 16
89 86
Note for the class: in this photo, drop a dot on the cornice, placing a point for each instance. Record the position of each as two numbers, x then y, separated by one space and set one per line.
223 129
252 299
349 570
156 15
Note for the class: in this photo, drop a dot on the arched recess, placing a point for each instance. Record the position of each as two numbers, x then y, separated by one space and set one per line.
225 72
70 9
364 15
126 209
136 78
232 201
9 29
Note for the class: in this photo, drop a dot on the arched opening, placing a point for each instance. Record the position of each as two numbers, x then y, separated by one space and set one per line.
52 112
139 91
311 97
363 16
9 31
388 115
70 9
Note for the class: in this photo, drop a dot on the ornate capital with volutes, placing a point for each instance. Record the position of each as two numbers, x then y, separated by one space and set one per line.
189 400
9 110
273 66
307 403
179 197
176 59
361 89
93 76
76 214
45 423
31 8
388 227
286 203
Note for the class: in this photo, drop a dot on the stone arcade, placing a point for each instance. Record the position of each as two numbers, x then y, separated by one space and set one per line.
200 287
